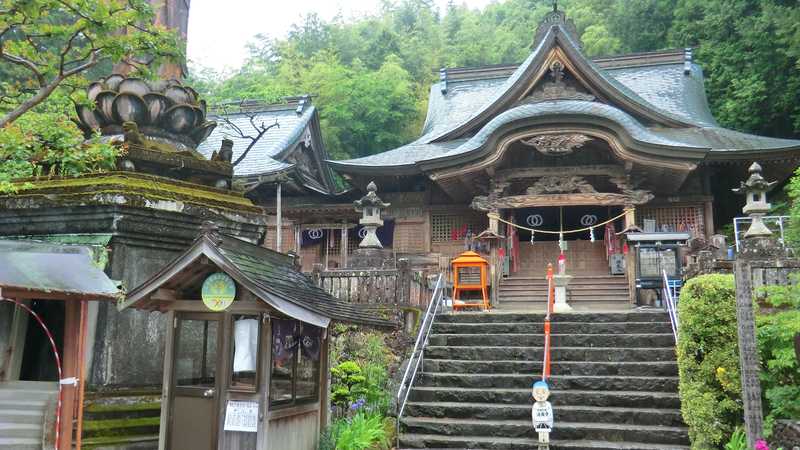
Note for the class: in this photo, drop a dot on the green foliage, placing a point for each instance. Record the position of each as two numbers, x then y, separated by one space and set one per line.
793 191
48 46
49 144
780 374
347 385
708 362
360 432
738 441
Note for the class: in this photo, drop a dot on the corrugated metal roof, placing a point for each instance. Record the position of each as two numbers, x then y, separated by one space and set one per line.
263 158
53 269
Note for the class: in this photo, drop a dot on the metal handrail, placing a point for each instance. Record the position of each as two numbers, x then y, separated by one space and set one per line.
550 300
669 299
419 348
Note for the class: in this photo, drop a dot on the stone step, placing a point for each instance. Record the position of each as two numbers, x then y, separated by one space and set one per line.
628 399
24 416
541 306
593 317
557 340
8 443
21 430
563 413
621 297
650 434
572 288
46 386
579 279
559 327
561 382
38 405
433 442
496 353
25 394
661 368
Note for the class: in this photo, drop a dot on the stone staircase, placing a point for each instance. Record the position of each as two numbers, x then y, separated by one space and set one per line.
614 383
585 292
23 409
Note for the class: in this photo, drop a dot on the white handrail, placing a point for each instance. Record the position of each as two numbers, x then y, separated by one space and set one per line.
419 347
669 299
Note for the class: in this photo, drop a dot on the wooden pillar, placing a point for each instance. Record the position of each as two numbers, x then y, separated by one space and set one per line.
82 369
16 343
630 258
343 250
70 368
708 218
278 219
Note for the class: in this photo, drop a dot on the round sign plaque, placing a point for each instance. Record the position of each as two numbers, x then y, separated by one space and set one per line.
218 291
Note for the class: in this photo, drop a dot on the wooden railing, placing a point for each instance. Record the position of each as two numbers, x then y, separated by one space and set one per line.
402 287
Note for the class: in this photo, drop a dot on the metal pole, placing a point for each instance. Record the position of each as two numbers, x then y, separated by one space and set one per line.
278 220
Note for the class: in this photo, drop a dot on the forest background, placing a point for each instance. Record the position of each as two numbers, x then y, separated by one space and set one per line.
371 76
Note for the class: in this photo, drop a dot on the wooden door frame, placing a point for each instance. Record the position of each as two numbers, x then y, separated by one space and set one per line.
168 390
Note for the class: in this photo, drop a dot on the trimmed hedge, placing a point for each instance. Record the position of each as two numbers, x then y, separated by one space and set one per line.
708 361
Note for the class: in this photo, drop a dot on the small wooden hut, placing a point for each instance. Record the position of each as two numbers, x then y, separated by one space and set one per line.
246 361
43 272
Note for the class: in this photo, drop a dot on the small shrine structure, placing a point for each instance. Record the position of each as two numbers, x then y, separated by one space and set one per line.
246 361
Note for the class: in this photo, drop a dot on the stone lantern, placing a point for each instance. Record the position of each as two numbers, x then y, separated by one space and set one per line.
756 206
370 207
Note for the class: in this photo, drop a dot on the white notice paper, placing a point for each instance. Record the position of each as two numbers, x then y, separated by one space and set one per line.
241 416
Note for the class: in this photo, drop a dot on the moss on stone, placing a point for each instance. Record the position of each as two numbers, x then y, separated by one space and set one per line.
118 426
131 185
108 408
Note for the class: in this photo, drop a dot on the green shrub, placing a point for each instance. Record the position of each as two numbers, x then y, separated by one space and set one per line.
360 432
708 361
738 441
347 384
780 374
49 144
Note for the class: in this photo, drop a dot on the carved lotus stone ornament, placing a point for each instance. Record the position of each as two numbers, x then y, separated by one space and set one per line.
557 144
165 112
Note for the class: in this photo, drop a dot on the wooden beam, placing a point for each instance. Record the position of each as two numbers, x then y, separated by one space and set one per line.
535 172
577 199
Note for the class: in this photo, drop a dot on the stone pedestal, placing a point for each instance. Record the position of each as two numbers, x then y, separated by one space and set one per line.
371 258
561 282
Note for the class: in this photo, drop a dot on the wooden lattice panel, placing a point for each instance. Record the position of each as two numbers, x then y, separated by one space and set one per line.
443 225
676 218
409 237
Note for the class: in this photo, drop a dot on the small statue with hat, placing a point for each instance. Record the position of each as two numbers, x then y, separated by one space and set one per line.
542 413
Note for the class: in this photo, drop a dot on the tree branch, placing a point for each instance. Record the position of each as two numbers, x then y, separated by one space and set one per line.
67 48
261 133
25 106
26 63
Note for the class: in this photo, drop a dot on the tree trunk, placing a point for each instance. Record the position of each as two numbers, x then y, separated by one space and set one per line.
28 104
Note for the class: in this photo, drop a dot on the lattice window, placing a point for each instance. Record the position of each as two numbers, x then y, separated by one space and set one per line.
446 227
674 218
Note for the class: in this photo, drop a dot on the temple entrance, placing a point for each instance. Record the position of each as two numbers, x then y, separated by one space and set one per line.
584 256
593 258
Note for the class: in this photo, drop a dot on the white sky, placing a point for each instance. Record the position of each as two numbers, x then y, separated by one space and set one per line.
219 29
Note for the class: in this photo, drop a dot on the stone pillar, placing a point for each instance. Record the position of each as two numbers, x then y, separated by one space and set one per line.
757 245
561 282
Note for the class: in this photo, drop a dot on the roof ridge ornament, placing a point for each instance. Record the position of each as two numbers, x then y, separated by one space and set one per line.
553 19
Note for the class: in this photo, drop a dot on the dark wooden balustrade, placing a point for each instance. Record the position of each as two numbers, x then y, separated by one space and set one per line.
402 287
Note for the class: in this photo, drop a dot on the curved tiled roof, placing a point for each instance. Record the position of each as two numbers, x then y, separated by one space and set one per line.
667 88
263 158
